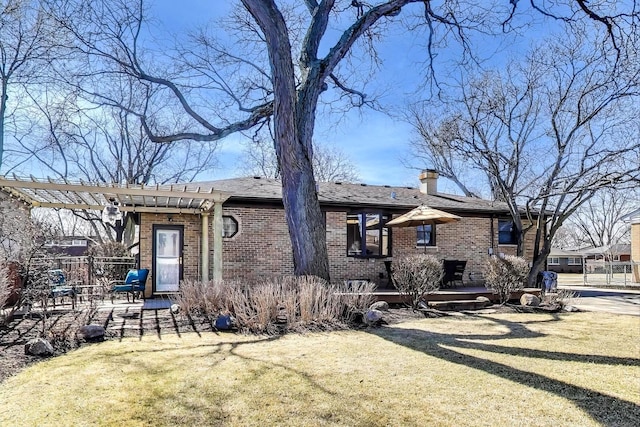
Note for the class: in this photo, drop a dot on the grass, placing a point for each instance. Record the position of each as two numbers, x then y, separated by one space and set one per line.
500 369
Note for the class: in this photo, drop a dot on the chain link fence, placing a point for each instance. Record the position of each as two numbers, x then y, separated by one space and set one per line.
613 273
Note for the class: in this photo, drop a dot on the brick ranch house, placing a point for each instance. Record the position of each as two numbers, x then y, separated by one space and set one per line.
178 239
256 242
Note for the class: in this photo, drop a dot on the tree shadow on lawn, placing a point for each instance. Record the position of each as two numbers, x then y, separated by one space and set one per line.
605 409
214 354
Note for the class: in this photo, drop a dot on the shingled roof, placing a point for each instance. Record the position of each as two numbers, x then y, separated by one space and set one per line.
256 189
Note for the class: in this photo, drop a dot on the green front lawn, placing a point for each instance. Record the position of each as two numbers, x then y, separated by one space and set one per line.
499 369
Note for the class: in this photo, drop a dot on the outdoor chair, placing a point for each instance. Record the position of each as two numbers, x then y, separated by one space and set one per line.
133 284
453 271
59 287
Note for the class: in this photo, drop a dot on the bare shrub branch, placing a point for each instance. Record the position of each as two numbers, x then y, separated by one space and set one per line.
417 275
506 275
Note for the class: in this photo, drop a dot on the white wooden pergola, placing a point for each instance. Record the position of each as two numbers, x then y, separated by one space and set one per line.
166 199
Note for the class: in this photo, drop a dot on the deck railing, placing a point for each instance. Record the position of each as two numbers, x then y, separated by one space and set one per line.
87 270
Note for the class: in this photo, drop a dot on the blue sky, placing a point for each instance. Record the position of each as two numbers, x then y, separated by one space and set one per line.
375 142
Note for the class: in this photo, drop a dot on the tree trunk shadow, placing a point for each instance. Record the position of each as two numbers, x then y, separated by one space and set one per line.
602 408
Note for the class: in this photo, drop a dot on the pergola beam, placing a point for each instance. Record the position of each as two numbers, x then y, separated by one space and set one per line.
58 195
122 208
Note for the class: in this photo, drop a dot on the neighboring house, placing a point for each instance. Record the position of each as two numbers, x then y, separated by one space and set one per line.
235 229
70 246
565 261
574 260
618 252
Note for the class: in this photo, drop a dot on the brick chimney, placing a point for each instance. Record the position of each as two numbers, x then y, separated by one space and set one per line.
429 181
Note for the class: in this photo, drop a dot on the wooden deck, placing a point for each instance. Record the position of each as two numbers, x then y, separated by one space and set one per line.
454 294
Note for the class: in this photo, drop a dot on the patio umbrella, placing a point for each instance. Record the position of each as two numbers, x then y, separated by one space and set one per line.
423 215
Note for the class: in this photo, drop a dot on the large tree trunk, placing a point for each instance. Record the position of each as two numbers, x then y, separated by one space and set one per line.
541 249
539 260
3 111
293 129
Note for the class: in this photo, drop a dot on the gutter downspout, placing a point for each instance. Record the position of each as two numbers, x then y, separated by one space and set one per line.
492 231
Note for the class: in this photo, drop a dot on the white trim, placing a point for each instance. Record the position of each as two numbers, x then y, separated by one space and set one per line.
204 247
217 242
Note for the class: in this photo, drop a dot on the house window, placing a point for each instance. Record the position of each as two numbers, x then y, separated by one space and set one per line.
229 226
574 261
367 236
426 235
506 232
553 261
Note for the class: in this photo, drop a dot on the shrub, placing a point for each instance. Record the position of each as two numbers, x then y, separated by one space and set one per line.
559 299
63 335
355 298
5 289
417 275
505 275
37 290
112 260
277 305
206 299
288 303
256 307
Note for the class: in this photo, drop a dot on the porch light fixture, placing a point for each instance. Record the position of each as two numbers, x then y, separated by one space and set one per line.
111 213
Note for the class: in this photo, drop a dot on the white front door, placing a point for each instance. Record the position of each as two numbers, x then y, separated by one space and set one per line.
167 258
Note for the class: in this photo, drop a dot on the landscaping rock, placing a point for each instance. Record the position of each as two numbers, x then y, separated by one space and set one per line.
373 316
38 347
529 300
484 300
570 308
380 305
91 333
175 308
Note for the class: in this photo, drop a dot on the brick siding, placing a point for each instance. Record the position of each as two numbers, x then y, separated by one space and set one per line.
261 248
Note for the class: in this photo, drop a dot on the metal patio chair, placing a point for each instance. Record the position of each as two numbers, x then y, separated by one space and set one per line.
134 283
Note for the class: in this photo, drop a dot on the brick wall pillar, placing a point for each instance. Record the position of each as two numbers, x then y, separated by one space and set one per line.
204 256
217 242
